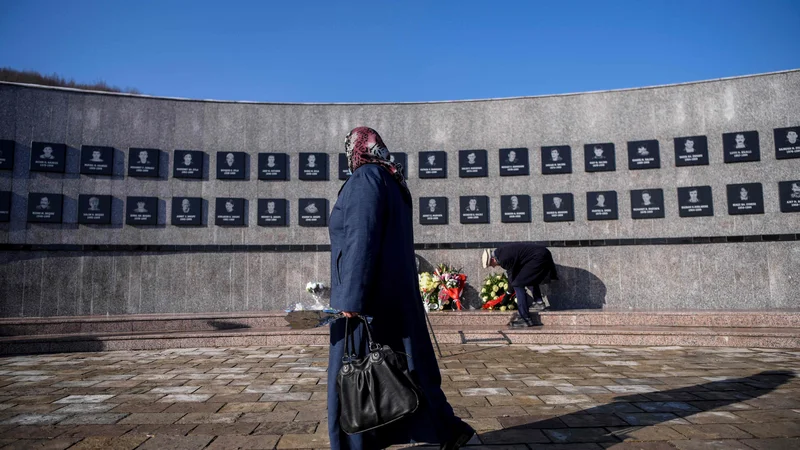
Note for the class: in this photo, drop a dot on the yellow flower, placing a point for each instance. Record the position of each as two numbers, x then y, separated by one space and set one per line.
503 308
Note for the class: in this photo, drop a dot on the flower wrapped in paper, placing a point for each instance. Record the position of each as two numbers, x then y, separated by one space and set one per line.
493 293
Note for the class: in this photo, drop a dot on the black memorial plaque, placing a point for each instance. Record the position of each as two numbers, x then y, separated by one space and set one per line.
741 146
143 162
402 159
272 167
789 192
94 209
695 201
433 211
97 160
472 163
746 198
474 209
314 166
344 168
6 155
47 157
312 212
432 164
787 142
141 211
187 211
45 208
231 165
515 208
514 161
644 155
188 164
602 205
5 206
556 159
558 207
691 151
647 204
230 212
273 212
599 157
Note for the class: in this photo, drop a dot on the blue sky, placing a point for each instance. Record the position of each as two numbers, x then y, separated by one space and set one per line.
380 51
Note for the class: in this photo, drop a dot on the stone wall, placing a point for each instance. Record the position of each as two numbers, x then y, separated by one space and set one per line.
54 269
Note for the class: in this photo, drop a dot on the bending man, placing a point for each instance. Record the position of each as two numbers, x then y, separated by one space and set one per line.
527 265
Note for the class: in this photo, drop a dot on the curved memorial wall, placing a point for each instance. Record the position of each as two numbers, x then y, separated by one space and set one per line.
672 197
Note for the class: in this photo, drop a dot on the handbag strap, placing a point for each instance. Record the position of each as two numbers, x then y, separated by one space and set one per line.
349 340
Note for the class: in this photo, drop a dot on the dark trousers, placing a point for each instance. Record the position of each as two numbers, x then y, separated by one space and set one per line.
523 301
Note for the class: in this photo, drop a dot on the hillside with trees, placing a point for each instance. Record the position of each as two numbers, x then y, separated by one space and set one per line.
33 77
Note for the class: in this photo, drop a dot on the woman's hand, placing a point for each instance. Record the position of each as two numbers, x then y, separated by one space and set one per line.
350 314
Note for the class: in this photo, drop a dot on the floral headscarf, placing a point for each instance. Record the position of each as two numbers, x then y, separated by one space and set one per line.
364 145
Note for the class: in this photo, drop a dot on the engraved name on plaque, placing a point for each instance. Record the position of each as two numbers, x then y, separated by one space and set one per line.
558 207
344 168
695 201
143 162
602 205
741 146
94 209
433 211
141 211
691 151
647 204
556 159
514 161
474 209
745 198
231 165
599 157
787 142
187 211
273 212
432 164
6 154
272 167
644 155
472 163
515 208
789 193
230 212
45 208
97 160
188 164
47 157
312 212
313 166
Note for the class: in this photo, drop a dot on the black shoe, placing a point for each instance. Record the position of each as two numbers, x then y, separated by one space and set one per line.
462 433
522 323
538 306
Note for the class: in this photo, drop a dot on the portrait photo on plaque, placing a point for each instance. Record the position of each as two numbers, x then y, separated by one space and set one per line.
141 211
602 205
746 198
433 211
472 163
230 212
187 211
312 212
94 209
432 164
599 157
788 192
47 157
787 142
556 159
344 168
515 208
644 155
647 204
514 161
558 207
742 146
695 201
400 158
5 206
474 209
273 166
691 151
188 164
313 166
45 208
96 160
144 162
273 212
6 154
231 165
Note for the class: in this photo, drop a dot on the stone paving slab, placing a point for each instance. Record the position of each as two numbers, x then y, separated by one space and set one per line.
567 397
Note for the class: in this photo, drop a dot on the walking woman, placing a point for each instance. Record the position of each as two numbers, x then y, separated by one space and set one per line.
373 273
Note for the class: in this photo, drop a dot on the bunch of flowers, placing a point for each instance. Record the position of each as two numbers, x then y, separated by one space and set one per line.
316 289
493 293
429 287
452 283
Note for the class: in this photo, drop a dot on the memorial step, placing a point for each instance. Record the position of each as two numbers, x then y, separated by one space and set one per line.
760 337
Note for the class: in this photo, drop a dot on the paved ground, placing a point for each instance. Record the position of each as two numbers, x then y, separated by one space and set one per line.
559 397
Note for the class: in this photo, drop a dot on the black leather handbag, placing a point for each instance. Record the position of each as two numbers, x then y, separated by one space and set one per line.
376 390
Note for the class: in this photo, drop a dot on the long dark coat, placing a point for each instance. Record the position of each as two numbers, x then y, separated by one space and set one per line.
373 272
527 264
